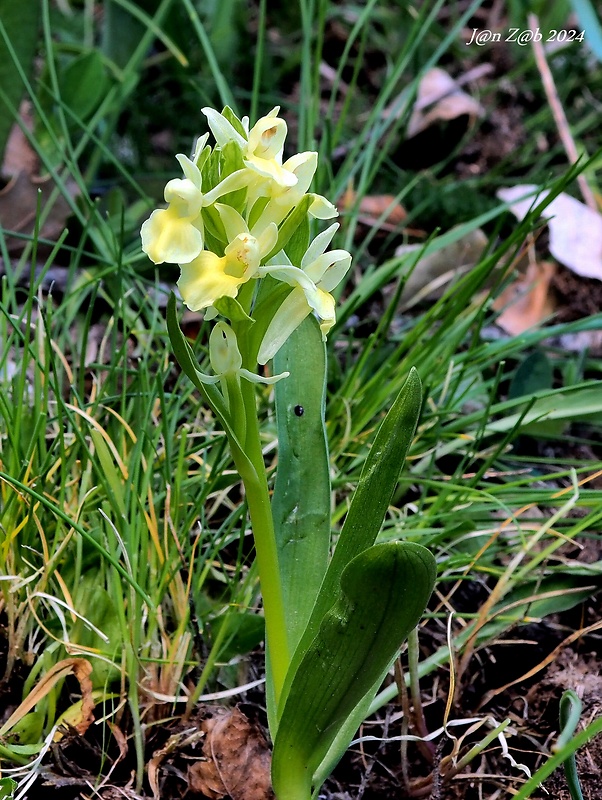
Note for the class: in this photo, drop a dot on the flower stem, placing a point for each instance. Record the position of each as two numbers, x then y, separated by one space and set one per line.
258 501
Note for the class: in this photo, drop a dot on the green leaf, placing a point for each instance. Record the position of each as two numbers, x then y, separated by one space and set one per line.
28 730
384 591
83 84
242 632
533 375
19 24
234 121
230 308
299 241
288 228
372 497
301 500
7 788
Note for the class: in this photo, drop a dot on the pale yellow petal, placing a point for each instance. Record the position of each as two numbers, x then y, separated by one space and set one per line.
321 208
289 316
270 168
204 281
323 304
266 138
242 257
166 236
223 350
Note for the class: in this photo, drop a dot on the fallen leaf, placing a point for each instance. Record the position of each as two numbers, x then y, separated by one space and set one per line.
575 230
376 206
376 209
237 760
527 301
440 99
432 274
19 155
18 208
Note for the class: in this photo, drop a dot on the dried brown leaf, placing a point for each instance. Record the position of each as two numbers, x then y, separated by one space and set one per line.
434 272
18 154
440 99
81 669
238 760
528 301
19 204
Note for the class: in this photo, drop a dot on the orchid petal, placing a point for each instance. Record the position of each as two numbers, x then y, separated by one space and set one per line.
319 245
185 194
236 180
269 168
190 170
319 268
234 224
304 166
199 147
204 378
267 239
291 275
224 354
266 138
289 316
253 378
222 130
167 236
204 280
321 208
336 271
323 304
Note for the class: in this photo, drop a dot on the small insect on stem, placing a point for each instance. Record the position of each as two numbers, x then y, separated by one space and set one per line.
299 411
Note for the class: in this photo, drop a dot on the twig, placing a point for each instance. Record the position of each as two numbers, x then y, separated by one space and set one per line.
560 119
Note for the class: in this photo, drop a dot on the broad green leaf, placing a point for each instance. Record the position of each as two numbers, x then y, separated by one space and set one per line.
28 730
384 591
371 499
243 631
18 23
83 84
533 375
301 501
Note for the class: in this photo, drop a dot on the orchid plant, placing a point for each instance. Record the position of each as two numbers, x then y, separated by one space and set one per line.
238 224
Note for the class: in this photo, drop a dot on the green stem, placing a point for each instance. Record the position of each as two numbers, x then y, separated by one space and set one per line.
258 501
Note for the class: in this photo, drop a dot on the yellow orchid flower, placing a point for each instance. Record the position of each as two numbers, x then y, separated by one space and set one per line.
282 199
208 277
262 149
320 273
175 234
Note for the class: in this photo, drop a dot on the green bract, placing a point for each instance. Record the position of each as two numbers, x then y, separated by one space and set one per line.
238 224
